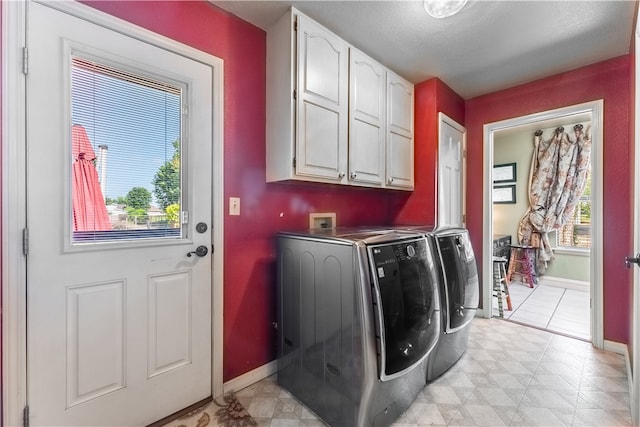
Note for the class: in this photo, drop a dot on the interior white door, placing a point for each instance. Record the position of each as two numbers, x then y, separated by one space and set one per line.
119 329
450 172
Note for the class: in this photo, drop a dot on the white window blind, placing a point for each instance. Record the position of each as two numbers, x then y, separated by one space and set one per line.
126 147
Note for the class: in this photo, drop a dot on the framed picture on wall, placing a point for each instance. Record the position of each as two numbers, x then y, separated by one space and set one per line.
504 173
504 194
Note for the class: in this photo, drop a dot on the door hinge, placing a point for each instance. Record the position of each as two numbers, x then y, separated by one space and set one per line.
25 241
295 24
294 162
25 416
25 60
295 94
464 218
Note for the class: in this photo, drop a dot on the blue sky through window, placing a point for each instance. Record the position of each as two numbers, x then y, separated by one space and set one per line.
136 122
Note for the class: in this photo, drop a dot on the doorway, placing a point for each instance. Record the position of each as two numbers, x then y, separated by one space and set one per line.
493 134
132 345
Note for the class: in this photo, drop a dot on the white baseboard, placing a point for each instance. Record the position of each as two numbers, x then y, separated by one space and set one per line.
623 349
480 313
616 347
627 359
251 377
560 282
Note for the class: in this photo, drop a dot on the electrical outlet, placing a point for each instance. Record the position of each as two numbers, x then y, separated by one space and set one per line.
322 220
234 205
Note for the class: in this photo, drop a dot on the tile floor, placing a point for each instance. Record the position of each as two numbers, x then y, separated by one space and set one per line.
551 306
511 375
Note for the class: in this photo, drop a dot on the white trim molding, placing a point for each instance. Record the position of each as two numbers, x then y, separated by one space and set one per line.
596 109
13 214
14 27
251 377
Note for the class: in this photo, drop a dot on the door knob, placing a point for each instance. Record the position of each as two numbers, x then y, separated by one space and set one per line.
628 260
200 251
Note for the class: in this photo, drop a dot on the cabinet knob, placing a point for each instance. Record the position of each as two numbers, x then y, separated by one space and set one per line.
341 175
390 180
353 175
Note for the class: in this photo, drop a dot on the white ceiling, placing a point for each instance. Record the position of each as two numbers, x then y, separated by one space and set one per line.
488 46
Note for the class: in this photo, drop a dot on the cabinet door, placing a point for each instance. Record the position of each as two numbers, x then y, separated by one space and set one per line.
322 97
366 119
399 132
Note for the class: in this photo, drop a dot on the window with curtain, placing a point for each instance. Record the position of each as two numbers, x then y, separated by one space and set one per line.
576 233
126 150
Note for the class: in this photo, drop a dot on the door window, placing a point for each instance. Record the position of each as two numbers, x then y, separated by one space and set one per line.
126 147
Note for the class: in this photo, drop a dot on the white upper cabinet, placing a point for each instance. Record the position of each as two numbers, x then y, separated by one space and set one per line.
322 102
366 119
399 132
329 111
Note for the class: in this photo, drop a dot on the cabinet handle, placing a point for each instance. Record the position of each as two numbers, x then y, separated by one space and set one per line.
353 175
341 175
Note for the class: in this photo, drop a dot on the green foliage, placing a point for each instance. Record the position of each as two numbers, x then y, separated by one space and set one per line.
138 198
173 213
585 212
115 201
166 182
137 215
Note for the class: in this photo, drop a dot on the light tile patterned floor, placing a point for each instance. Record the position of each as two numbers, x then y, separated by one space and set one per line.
511 375
550 307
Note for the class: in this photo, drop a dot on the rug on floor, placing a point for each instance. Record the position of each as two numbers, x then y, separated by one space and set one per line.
222 412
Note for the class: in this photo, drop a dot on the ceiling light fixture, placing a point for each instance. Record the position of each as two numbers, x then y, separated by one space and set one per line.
443 8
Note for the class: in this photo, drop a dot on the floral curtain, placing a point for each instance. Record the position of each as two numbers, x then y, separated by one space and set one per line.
556 182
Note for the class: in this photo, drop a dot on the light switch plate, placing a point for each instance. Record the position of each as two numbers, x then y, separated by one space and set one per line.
234 205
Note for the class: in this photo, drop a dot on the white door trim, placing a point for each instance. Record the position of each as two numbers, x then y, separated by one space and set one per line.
14 193
596 108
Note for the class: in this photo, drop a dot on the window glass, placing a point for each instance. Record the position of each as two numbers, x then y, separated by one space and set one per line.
126 155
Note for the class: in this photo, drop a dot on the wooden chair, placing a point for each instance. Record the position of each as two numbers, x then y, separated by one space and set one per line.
522 262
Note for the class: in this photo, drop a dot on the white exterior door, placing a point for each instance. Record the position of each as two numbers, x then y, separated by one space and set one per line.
450 172
118 325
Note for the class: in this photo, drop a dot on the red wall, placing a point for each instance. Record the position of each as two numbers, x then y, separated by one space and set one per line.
249 276
249 267
608 80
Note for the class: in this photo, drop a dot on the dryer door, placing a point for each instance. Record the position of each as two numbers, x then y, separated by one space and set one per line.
407 317
460 276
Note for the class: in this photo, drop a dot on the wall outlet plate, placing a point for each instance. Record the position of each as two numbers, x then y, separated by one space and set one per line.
322 220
